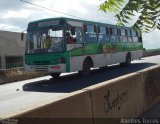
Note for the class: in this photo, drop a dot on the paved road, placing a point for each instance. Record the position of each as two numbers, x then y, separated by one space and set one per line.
23 95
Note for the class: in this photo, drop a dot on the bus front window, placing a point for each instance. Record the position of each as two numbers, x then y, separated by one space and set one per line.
45 41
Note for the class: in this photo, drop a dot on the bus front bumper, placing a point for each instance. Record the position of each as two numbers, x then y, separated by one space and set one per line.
60 68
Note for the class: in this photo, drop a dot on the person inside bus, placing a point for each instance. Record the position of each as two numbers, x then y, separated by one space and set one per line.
70 39
47 42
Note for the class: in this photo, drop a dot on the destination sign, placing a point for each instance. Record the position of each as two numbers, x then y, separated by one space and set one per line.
48 23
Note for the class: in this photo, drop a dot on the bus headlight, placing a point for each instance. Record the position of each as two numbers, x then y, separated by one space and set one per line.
28 61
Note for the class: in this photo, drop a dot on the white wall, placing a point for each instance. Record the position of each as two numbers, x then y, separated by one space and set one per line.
11 45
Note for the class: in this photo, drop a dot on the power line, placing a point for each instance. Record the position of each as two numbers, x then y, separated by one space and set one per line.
50 9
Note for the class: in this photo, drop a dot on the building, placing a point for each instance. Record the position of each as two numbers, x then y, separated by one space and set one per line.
12 49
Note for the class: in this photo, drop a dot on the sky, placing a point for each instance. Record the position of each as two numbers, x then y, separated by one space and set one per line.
15 15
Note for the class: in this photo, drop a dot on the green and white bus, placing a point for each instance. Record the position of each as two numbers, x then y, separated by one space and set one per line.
78 45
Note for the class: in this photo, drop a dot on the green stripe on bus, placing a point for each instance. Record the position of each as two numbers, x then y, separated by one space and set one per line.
95 48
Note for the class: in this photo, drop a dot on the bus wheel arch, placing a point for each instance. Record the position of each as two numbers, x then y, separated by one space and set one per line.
86 68
88 58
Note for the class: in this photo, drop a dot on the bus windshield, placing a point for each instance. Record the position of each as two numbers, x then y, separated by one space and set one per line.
48 40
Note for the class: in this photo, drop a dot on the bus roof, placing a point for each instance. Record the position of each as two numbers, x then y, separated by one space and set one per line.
77 20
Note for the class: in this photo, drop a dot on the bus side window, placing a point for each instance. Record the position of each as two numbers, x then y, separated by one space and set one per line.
123 37
102 36
114 31
123 33
70 35
133 33
118 31
114 35
107 30
78 35
110 30
134 36
129 35
90 34
91 29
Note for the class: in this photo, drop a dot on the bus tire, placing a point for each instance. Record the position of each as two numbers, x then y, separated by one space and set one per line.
55 75
127 61
87 64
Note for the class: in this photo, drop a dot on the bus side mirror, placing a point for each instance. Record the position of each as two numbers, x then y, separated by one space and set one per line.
22 36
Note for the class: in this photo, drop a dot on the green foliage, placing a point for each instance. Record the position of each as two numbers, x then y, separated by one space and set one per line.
148 11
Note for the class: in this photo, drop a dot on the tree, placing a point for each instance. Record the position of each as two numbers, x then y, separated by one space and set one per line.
148 11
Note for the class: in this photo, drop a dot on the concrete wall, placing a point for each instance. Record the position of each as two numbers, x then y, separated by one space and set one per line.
11 45
77 105
151 53
71 109
123 97
118 98
151 86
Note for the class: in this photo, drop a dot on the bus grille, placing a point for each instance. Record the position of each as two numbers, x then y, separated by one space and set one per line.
41 68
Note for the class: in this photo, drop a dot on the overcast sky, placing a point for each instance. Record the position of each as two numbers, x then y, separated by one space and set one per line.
15 15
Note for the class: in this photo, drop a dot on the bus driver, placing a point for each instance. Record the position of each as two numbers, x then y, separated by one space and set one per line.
47 42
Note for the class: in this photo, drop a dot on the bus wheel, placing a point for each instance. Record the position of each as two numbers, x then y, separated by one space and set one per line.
86 68
55 75
128 59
